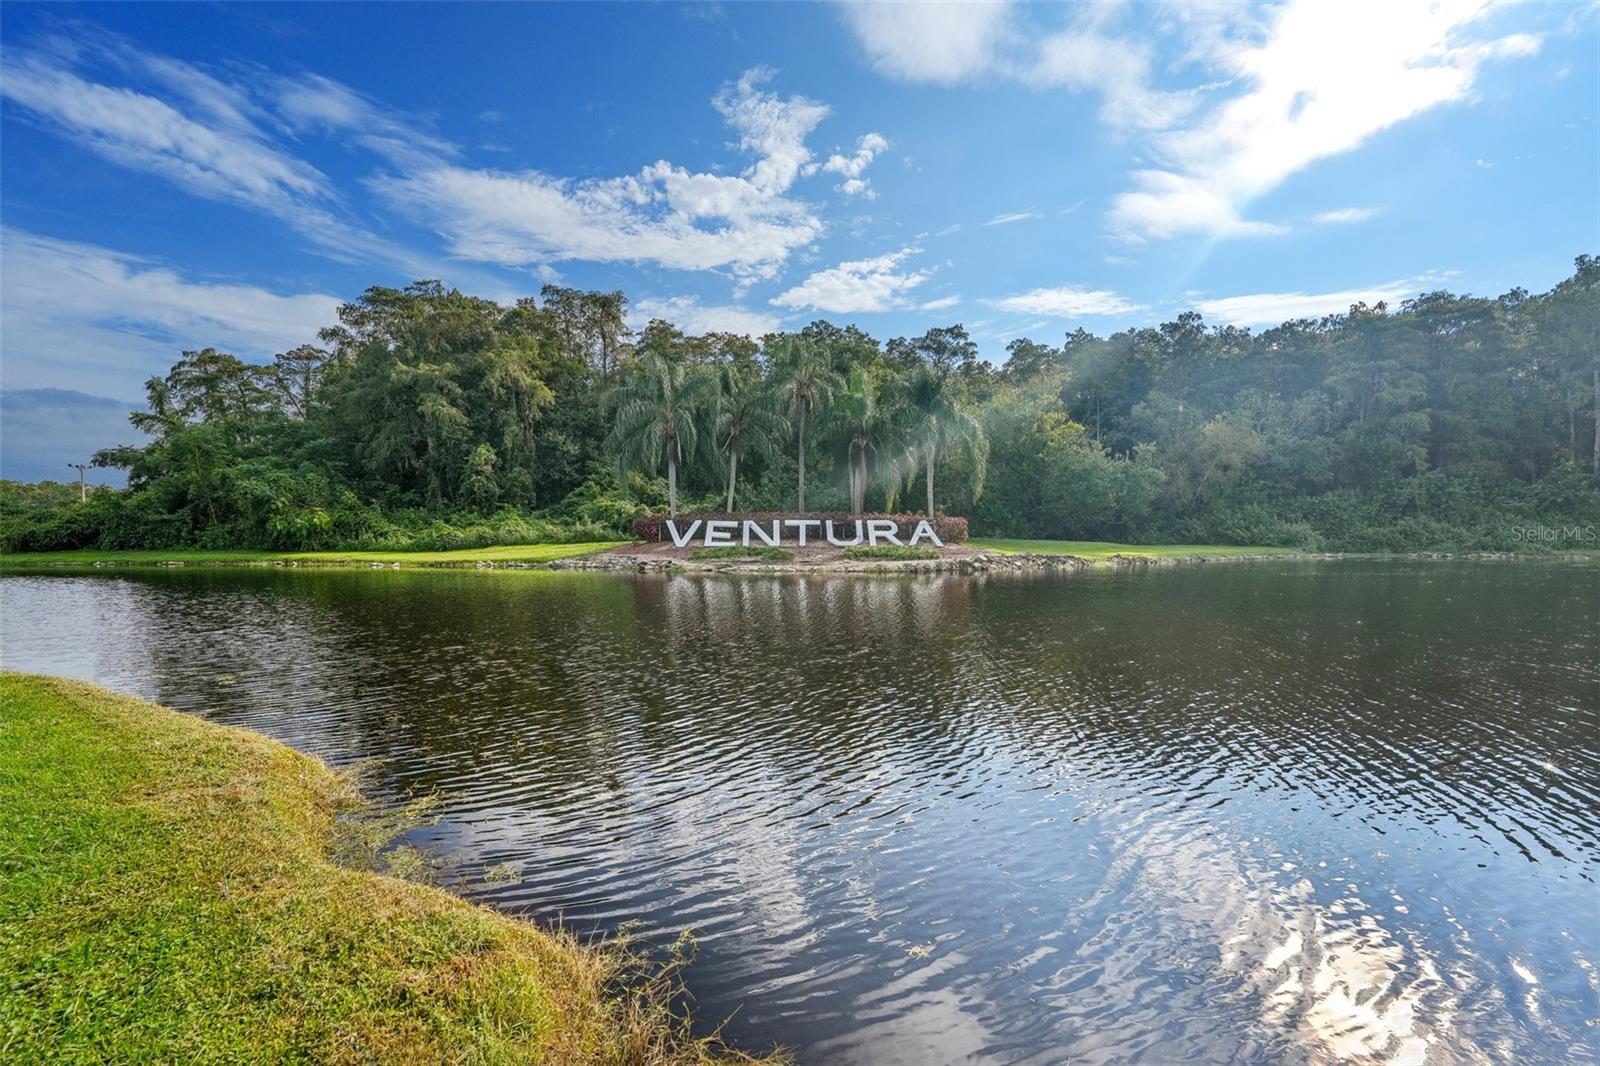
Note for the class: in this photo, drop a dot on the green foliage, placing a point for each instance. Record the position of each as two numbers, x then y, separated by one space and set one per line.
431 419
656 416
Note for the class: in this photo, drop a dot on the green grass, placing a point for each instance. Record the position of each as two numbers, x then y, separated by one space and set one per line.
167 895
514 553
737 551
1097 550
890 553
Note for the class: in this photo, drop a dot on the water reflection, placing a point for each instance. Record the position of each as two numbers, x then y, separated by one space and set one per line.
1321 812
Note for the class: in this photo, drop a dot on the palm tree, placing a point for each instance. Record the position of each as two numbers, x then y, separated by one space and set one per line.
866 425
938 425
805 383
747 419
654 416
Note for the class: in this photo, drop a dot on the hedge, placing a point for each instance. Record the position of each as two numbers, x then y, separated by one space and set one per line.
951 529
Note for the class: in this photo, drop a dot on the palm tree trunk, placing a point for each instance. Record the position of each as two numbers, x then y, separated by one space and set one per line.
733 477
930 482
802 494
672 485
855 484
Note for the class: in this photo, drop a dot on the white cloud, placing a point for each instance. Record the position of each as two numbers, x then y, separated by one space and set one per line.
71 311
1010 217
1319 84
664 214
861 285
941 304
695 318
1085 59
937 42
960 41
1344 215
1275 308
852 167
1067 301
1290 84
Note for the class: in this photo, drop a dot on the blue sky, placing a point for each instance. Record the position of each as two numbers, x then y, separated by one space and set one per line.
185 175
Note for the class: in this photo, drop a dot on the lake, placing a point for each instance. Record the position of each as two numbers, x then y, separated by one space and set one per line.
1246 812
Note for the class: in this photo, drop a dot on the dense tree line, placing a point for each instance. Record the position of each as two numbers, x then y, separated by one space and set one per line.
426 417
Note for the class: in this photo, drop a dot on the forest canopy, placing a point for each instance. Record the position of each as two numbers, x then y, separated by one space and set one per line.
428 418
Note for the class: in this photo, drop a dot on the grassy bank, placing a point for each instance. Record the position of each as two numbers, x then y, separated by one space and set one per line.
167 894
1094 550
516 553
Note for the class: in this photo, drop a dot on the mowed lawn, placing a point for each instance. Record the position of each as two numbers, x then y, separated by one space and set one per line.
512 553
1101 549
168 894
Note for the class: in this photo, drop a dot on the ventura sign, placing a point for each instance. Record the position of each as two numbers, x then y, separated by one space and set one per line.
720 532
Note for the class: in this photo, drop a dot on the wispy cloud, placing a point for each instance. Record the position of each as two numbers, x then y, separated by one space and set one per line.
315 103
82 311
857 286
178 122
1344 216
1275 308
1010 217
1067 301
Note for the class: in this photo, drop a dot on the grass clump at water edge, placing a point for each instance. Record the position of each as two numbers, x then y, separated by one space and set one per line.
167 893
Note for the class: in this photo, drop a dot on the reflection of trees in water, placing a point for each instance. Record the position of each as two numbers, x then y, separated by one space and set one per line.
1352 686
1042 781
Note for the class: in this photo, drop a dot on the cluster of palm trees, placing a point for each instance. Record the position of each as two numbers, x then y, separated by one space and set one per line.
674 413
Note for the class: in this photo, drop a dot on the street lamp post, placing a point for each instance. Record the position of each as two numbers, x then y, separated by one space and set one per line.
83 492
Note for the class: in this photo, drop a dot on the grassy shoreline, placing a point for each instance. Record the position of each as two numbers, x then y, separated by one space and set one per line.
531 554
543 554
1098 550
167 893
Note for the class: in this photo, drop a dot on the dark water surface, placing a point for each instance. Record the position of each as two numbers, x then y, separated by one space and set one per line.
1261 812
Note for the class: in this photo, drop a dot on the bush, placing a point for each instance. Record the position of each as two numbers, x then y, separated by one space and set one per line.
891 553
951 529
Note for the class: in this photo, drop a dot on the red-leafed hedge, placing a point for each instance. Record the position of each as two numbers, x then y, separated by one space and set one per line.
952 529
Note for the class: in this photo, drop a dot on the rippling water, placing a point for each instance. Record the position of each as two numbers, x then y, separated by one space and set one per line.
1306 812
